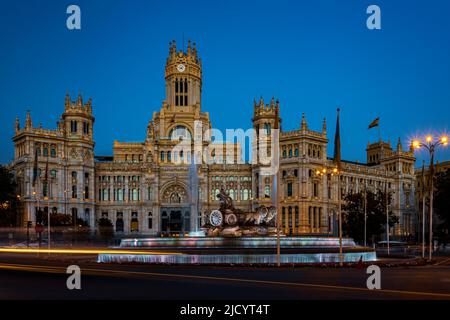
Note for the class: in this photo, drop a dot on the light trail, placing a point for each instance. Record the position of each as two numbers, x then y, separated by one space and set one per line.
86 251
159 275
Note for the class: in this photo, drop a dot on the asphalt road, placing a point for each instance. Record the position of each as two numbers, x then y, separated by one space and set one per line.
32 278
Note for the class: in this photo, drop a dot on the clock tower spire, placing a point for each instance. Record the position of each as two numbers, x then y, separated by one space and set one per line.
183 76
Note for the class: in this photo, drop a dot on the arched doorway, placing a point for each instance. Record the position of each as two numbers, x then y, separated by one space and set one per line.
175 210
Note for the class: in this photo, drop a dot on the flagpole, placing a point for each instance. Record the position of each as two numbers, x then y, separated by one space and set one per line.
365 214
337 160
48 215
387 216
341 260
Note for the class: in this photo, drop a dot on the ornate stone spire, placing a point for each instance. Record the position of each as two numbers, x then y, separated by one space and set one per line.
17 125
80 100
303 125
324 126
88 106
194 51
67 101
28 122
399 145
261 102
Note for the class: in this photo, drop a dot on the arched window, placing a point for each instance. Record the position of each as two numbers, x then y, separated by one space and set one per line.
180 132
267 128
150 220
290 216
87 215
162 156
53 151
232 194
296 152
135 195
267 191
119 222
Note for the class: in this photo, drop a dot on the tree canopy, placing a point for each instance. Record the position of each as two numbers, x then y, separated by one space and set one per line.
442 205
8 200
353 215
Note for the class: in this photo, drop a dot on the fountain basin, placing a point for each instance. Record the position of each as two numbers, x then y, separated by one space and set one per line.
243 250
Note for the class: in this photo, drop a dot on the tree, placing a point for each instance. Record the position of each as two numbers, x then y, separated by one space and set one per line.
442 207
353 215
8 199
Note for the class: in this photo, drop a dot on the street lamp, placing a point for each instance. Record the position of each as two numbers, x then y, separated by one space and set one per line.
431 146
334 171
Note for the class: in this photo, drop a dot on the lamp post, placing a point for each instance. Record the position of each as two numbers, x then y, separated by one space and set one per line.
365 213
326 170
431 146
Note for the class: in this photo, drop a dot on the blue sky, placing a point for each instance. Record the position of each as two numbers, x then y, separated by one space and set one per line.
312 55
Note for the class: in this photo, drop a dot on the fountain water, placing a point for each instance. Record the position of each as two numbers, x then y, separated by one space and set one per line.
194 196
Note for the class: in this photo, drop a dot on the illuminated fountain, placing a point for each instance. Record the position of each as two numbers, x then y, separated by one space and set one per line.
237 237
194 196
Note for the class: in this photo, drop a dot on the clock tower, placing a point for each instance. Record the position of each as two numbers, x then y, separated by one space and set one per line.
183 76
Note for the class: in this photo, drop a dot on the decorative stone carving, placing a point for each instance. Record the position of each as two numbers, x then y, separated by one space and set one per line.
175 194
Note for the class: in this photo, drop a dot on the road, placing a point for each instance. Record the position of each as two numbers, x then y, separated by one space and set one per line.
32 278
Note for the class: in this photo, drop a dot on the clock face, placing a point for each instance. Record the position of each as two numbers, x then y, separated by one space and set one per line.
181 67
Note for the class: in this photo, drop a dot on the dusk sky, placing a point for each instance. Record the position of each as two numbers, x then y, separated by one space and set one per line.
314 56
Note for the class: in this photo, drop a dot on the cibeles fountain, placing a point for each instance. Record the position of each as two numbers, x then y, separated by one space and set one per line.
231 236
228 221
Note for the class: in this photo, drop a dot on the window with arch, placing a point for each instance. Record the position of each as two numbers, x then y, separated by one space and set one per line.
53 151
267 128
181 92
87 215
267 191
150 220
73 126
180 132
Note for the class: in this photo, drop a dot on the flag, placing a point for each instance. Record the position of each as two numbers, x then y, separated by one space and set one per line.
35 166
374 123
337 144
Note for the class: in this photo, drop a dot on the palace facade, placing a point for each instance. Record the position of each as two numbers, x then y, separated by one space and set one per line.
145 188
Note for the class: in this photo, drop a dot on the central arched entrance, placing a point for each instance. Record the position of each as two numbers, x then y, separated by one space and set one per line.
175 210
